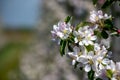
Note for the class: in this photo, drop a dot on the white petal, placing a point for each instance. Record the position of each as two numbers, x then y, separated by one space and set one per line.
81 43
100 12
85 42
91 53
101 66
96 47
73 62
82 60
93 38
76 40
112 66
71 54
61 35
106 61
113 78
100 16
87 68
90 42
55 27
76 50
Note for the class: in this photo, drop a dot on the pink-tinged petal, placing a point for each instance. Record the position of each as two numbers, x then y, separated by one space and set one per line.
93 37
61 35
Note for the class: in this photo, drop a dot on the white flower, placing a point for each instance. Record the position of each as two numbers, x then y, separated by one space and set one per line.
84 36
61 30
100 59
74 54
101 74
97 15
87 60
94 60
115 68
100 64
102 51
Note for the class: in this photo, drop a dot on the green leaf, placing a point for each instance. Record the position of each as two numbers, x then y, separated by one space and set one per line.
63 44
91 75
97 33
90 48
82 24
108 24
95 1
67 19
109 73
104 34
107 4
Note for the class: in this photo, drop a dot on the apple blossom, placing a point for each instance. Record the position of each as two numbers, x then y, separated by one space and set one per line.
98 15
61 30
83 43
84 36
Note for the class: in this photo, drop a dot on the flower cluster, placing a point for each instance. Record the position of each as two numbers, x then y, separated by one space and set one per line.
83 44
62 30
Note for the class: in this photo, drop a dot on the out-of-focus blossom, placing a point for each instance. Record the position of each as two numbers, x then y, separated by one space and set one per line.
95 16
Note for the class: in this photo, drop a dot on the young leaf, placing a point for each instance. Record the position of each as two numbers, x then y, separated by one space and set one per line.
104 34
97 33
91 75
109 73
63 44
67 19
82 24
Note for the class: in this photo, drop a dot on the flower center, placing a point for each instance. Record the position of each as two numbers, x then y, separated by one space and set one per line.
79 38
90 61
65 31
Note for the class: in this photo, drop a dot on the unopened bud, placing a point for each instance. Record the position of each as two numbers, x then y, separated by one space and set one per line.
118 31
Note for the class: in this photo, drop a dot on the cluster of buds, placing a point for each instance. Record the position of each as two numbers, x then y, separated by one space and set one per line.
82 44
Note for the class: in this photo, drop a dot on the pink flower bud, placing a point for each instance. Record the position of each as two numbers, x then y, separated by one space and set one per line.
118 31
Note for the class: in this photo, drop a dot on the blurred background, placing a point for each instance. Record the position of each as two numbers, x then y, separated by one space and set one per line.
26 49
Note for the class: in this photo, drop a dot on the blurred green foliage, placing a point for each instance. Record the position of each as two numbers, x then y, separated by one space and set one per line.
106 4
9 58
10 53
